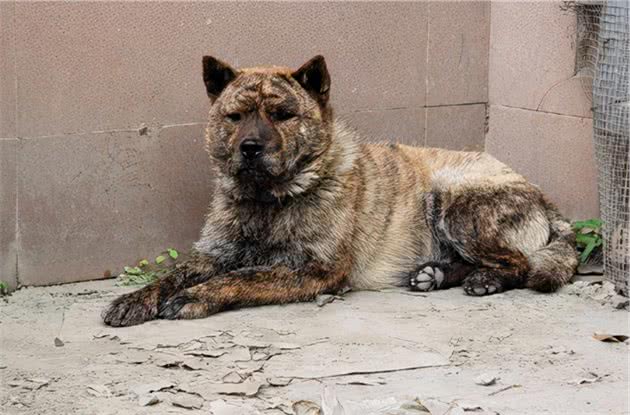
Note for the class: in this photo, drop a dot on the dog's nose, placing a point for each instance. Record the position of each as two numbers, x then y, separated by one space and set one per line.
251 148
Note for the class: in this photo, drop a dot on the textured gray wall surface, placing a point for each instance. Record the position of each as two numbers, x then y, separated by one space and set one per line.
85 188
539 107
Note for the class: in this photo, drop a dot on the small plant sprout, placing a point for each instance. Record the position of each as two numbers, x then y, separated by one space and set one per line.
145 272
4 288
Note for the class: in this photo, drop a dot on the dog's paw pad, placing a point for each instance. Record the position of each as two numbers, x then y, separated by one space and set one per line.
427 279
481 284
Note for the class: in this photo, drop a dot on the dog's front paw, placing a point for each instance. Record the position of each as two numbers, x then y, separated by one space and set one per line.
185 305
133 308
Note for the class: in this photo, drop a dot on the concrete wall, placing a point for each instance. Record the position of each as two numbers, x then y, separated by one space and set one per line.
85 188
539 109
79 80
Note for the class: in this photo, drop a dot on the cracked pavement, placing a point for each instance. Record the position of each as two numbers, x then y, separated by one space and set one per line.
390 352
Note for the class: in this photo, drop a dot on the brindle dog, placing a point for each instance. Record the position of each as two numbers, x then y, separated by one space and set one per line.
301 209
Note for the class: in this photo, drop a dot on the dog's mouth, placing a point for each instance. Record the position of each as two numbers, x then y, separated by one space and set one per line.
260 176
271 179
256 183
259 172
251 171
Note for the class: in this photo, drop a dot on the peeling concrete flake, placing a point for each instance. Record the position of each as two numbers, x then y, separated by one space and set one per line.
33 384
361 380
220 407
144 389
275 381
232 377
248 388
148 400
208 353
187 401
99 391
486 379
375 353
324 299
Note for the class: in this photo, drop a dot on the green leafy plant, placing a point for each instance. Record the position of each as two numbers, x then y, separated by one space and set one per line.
145 272
4 288
588 236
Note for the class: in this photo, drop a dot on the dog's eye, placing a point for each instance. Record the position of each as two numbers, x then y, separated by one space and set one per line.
234 116
281 115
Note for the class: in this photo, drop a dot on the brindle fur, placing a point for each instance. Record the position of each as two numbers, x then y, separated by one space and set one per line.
318 211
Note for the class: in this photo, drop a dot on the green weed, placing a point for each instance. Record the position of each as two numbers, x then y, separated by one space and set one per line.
588 236
145 272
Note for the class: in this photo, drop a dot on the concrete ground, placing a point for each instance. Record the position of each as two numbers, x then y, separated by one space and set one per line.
388 352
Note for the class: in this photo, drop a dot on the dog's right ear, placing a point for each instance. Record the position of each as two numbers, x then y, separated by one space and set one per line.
216 75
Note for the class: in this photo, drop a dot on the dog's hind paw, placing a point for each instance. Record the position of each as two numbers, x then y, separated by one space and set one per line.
482 282
428 278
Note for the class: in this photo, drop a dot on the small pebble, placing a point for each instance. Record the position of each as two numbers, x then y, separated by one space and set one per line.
620 302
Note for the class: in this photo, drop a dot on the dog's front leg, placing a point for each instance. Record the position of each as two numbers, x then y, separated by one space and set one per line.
254 286
143 305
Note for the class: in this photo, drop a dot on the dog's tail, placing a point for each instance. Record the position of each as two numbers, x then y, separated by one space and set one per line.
553 265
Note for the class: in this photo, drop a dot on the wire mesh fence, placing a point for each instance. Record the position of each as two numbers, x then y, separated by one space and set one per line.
603 64
608 47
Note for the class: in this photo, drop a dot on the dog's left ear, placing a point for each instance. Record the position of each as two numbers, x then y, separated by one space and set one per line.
216 75
314 78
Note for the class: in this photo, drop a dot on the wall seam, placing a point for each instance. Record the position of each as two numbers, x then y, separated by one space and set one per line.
457 105
426 77
119 130
543 112
19 147
17 214
15 66
361 111
488 85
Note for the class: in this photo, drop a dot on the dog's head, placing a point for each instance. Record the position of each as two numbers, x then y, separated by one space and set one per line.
268 127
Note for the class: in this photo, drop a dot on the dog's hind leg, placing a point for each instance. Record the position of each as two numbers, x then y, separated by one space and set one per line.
493 229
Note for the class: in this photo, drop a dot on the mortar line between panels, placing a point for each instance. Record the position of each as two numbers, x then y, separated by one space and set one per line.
18 151
542 112
119 130
18 242
15 70
426 77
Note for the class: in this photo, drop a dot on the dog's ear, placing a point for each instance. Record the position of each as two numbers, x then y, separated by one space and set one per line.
314 78
216 75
